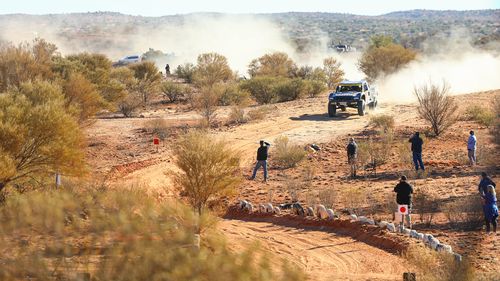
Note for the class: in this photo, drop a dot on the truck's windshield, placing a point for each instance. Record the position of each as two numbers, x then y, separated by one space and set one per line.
349 88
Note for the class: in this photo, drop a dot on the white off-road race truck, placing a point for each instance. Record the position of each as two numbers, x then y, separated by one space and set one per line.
354 94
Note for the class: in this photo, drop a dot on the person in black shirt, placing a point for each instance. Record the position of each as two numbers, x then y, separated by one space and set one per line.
404 192
261 159
167 70
352 154
416 148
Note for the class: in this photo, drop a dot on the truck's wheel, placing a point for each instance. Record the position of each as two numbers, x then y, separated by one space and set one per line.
373 105
332 109
361 107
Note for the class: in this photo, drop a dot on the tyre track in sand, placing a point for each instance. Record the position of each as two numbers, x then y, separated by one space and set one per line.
322 255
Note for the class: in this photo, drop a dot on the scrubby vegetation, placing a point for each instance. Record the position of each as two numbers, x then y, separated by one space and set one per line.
436 106
285 154
93 233
482 115
433 266
209 170
384 57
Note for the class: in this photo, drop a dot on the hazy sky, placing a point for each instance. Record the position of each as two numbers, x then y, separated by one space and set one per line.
168 7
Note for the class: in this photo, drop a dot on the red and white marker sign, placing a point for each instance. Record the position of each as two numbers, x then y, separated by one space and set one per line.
403 209
156 141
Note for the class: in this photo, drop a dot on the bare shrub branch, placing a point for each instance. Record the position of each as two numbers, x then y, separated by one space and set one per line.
436 106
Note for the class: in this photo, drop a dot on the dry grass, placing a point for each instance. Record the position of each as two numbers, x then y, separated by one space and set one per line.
425 203
237 116
482 115
118 235
433 266
287 155
465 212
259 113
382 122
158 127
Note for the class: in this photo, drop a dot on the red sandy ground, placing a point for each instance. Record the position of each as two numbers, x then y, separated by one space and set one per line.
122 150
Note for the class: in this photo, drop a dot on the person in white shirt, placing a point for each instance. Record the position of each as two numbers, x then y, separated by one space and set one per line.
471 148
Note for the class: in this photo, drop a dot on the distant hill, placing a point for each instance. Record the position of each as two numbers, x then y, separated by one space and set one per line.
93 31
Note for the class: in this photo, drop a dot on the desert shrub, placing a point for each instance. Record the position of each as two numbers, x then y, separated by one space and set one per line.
206 103
119 235
464 212
261 88
375 152
436 106
289 89
333 72
25 62
82 94
294 187
129 105
327 197
383 59
313 88
259 113
38 135
481 115
209 169
276 64
443 265
148 77
232 94
158 127
186 72
382 121
425 203
174 91
110 82
285 154
211 68
237 116
354 199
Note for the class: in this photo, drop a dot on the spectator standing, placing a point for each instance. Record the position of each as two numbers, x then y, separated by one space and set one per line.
262 154
167 70
483 184
416 148
490 208
471 148
404 192
352 155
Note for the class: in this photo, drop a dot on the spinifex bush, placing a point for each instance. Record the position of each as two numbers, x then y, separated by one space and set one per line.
465 212
285 154
382 122
117 235
158 127
426 204
430 265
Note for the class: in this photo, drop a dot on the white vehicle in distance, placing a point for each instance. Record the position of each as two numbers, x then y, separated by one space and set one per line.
128 60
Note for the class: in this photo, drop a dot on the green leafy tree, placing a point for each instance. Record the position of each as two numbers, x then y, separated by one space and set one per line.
386 59
38 134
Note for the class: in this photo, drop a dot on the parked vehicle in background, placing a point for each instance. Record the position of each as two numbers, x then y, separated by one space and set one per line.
354 94
128 60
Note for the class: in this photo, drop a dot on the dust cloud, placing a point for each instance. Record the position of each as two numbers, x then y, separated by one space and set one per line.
242 38
452 60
